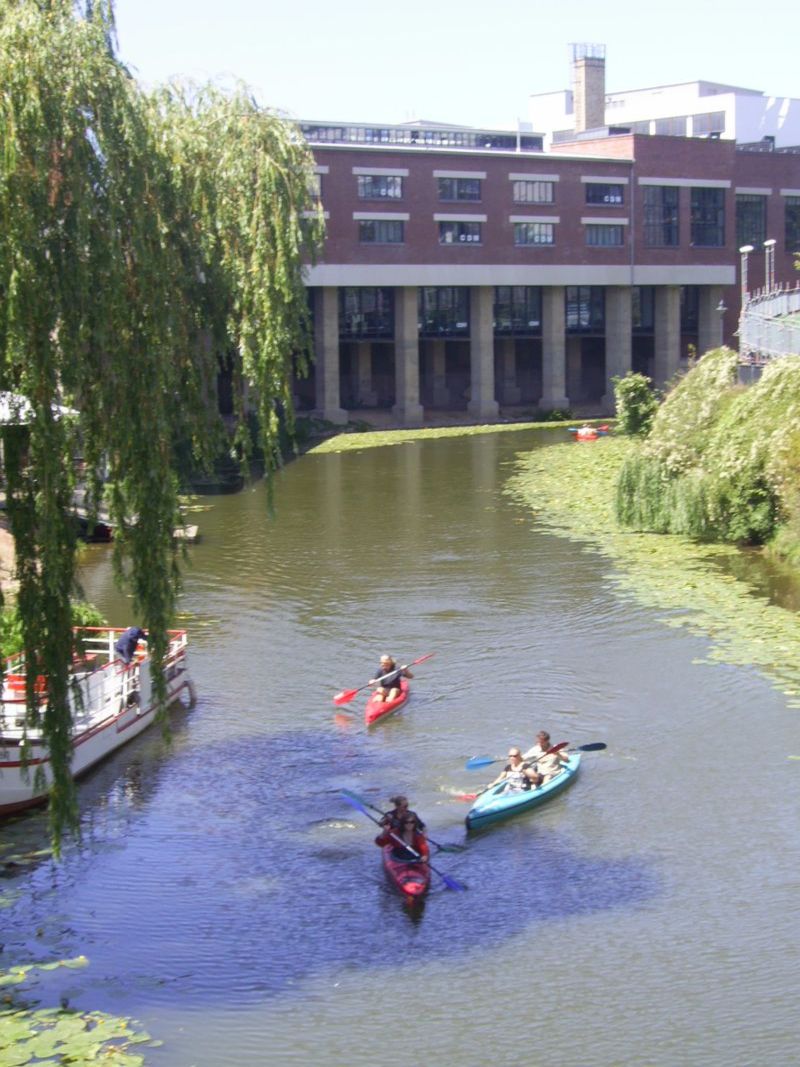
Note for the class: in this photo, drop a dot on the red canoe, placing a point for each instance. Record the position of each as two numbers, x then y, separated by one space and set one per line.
376 710
410 877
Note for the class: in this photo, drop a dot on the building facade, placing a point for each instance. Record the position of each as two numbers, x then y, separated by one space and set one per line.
473 270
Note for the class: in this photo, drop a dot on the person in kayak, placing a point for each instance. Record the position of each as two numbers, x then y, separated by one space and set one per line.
388 688
394 819
517 773
407 833
548 764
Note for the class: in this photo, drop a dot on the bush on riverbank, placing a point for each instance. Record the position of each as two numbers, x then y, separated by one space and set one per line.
722 460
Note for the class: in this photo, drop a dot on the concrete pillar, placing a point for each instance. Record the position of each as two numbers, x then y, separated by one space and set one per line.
326 354
667 333
554 349
407 408
509 389
438 357
364 392
619 339
482 402
709 320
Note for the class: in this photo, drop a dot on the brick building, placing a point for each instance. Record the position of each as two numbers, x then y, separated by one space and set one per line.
472 270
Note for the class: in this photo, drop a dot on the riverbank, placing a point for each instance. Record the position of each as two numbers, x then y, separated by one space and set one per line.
571 490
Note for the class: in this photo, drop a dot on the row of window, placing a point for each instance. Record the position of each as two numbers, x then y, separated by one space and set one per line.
526 234
445 310
469 190
661 224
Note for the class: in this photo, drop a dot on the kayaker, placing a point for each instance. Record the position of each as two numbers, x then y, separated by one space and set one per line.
395 818
409 833
388 688
517 773
548 764
127 642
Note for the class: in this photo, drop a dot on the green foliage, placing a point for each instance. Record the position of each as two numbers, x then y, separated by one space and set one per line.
636 404
139 236
12 639
722 462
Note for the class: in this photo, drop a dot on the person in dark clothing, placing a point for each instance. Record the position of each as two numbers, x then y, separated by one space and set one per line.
387 680
126 645
394 819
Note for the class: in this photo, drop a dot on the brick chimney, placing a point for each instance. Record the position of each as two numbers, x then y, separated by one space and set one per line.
589 86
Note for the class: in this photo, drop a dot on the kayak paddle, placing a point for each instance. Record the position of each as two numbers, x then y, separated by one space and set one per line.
347 694
484 761
451 883
366 803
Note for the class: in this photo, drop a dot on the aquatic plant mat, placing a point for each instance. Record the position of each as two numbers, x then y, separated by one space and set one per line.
344 442
571 490
61 1035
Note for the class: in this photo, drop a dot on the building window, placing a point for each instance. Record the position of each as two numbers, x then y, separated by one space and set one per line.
533 192
751 219
534 233
585 308
459 188
451 233
381 232
366 312
380 187
517 309
605 236
792 235
708 217
315 186
675 127
643 299
443 311
661 216
604 193
711 122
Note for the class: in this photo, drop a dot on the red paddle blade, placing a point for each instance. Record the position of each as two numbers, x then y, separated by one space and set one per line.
344 697
466 796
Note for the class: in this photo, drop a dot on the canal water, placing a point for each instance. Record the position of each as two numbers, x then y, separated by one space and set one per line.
231 902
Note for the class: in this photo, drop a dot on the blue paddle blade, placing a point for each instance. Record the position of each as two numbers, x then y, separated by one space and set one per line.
451 883
480 761
357 804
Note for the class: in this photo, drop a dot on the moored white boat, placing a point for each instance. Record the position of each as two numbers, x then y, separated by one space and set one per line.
117 703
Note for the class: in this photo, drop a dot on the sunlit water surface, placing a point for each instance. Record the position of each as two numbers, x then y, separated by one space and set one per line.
229 899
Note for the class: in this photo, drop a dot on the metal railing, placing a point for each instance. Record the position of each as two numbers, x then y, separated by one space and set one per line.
769 324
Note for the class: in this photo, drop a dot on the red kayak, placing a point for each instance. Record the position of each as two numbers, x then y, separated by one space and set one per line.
376 710
411 877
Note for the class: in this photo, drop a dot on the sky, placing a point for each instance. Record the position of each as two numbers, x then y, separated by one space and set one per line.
467 62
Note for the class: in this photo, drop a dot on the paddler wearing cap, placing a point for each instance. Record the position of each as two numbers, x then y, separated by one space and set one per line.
387 678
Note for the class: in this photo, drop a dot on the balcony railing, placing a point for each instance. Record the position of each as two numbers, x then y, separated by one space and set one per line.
769 325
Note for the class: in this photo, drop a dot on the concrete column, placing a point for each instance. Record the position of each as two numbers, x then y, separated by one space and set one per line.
441 394
509 390
364 392
482 402
326 354
709 324
667 333
619 339
407 407
554 349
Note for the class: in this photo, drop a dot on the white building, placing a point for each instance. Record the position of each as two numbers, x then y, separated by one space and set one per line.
688 109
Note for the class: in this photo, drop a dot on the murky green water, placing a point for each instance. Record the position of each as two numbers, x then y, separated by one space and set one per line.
231 902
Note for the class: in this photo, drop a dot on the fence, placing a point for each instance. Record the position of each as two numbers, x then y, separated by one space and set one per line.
769 325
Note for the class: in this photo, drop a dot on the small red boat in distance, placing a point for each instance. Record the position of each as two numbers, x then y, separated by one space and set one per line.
377 709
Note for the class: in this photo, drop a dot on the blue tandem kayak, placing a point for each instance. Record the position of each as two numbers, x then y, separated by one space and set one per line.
499 802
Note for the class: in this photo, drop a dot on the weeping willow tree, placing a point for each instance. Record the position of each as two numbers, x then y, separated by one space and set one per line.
140 236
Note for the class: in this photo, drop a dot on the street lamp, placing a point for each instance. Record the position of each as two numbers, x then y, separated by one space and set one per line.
769 263
744 252
721 309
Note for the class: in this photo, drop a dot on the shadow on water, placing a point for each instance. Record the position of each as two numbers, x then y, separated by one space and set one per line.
253 890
